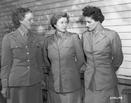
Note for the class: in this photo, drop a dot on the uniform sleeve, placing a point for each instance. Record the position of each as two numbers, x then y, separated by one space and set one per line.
82 41
45 56
83 68
117 51
6 61
79 51
38 55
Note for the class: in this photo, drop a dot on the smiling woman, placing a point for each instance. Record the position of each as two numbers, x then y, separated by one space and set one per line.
63 57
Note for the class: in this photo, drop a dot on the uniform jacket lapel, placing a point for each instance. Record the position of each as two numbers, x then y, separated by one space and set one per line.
18 37
99 37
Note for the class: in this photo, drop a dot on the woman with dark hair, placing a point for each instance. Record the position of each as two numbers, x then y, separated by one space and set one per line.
63 57
103 51
21 62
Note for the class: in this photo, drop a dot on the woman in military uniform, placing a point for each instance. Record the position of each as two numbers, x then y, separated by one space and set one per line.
21 62
103 51
63 56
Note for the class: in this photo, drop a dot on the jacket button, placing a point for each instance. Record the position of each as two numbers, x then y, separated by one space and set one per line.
28 60
27 53
26 46
28 67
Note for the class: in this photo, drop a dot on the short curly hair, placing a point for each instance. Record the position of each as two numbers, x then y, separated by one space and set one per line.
93 12
18 14
56 17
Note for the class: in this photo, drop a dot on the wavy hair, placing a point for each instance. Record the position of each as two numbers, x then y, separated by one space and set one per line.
93 12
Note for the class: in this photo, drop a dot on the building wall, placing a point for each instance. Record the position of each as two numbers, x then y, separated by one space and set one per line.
117 17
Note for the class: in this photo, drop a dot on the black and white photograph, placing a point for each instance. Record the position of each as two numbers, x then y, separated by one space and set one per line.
65 51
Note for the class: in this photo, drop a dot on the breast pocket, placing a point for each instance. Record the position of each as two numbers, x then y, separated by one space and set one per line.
103 45
17 49
67 46
69 51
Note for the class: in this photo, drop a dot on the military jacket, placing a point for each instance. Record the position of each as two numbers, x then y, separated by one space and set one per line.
104 56
64 57
21 62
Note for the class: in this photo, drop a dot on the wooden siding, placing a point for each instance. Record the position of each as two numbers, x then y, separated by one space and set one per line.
117 17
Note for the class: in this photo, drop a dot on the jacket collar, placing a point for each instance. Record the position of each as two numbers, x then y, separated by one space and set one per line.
98 34
62 37
18 36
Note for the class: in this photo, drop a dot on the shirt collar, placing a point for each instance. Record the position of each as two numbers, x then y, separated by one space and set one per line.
23 30
60 34
99 28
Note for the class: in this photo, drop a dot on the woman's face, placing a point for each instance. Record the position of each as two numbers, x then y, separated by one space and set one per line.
91 23
61 24
28 20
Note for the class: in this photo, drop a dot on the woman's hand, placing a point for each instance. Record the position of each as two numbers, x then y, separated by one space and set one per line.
4 92
83 68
